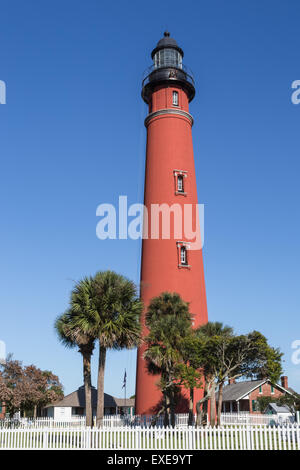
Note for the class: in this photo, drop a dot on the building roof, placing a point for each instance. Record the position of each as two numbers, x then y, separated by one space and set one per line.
279 409
292 391
238 390
166 42
77 399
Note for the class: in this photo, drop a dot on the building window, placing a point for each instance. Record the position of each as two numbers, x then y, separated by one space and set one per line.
175 98
272 389
260 389
180 184
183 257
254 407
179 176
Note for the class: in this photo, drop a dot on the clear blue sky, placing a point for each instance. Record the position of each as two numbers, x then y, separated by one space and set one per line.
72 137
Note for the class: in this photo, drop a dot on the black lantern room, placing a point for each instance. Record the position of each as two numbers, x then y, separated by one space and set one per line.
167 69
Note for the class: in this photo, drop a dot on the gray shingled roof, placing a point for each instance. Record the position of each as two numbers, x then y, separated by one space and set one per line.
238 390
279 409
292 391
77 399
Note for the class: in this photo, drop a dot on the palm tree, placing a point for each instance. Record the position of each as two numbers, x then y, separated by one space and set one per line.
113 318
71 335
169 321
216 328
207 331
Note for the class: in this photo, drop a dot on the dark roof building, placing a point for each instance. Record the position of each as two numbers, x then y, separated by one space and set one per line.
242 396
74 404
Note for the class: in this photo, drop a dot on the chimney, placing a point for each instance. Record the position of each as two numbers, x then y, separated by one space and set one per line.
231 381
284 381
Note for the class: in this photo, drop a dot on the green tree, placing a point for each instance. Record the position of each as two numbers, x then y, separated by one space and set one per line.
292 402
263 403
212 334
106 308
72 336
245 356
169 321
115 321
190 378
264 361
219 355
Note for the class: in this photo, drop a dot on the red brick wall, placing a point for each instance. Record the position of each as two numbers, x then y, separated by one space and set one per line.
266 392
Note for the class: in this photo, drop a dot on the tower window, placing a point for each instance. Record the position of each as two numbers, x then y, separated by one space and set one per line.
182 248
183 256
179 176
180 184
175 98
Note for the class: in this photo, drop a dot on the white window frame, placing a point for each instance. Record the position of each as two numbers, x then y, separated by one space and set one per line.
180 187
186 246
183 255
183 174
175 98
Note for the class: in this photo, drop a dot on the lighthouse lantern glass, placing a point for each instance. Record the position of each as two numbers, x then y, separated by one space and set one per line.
168 58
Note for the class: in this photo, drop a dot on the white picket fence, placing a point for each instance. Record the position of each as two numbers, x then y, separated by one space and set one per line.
249 419
39 423
256 437
117 421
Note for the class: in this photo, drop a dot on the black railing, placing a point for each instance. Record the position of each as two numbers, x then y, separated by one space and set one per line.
180 72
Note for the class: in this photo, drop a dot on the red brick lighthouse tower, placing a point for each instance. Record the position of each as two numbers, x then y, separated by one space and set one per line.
169 263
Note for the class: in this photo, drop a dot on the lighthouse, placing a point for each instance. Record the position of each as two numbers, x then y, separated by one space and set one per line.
171 260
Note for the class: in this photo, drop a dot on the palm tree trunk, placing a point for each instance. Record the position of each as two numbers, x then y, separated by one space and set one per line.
213 405
191 408
87 389
172 408
220 402
100 385
34 411
166 414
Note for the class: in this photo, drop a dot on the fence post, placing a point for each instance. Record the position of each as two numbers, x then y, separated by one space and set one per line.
45 439
248 437
88 438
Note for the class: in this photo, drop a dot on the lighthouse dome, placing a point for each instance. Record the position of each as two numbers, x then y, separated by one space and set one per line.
166 43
